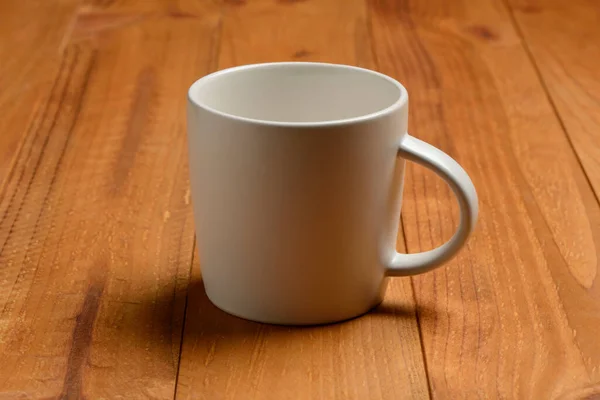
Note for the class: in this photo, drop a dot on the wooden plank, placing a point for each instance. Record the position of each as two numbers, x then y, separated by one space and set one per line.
374 357
564 40
377 356
96 235
515 315
174 8
267 31
30 52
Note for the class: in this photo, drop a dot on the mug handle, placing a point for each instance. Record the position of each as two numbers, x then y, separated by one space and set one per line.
443 165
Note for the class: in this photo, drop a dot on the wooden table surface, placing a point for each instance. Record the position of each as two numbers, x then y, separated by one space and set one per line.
100 291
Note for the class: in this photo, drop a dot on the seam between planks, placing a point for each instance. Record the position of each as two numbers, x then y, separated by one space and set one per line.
215 47
538 72
546 90
369 24
418 319
184 321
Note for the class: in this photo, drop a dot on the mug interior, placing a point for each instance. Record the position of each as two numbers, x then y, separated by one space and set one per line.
297 92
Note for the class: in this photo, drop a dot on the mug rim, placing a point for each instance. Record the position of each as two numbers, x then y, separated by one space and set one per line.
398 104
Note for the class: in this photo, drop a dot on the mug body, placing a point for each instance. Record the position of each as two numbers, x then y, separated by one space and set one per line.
295 187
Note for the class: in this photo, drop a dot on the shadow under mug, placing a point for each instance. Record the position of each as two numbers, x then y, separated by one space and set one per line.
296 172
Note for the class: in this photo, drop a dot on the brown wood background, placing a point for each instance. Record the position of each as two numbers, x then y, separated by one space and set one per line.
100 292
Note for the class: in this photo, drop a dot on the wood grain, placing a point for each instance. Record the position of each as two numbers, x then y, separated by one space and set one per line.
96 234
375 357
267 31
172 8
31 38
564 41
515 314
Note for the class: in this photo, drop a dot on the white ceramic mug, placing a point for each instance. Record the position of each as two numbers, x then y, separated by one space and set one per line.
296 175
